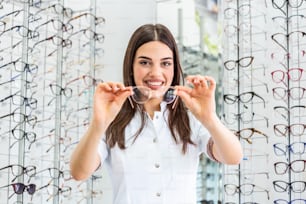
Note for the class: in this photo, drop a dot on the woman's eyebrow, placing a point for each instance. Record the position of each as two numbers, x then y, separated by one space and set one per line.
167 58
144 57
148 58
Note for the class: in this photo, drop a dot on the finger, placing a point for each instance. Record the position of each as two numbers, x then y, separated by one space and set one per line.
183 91
180 89
107 86
197 81
115 87
103 87
122 87
124 94
203 83
211 82
183 94
206 82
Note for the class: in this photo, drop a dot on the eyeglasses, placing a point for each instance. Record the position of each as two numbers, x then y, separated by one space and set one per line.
22 31
242 62
58 90
247 133
90 34
296 148
293 74
56 40
294 111
244 189
58 9
286 19
57 25
19 134
76 112
281 3
295 93
283 21
88 17
142 94
88 81
295 186
244 117
19 188
243 10
20 117
89 194
65 141
21 100
55 173
18 170
296 166
295 201
281 38
245 97
288 56
54 190
293 129
248 174
21 66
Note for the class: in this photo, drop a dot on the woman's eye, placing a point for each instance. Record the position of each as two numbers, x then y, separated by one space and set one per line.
144 63
167 64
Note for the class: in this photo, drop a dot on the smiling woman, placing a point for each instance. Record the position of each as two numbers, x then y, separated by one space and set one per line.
160 164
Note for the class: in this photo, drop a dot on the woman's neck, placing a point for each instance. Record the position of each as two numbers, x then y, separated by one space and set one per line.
151 107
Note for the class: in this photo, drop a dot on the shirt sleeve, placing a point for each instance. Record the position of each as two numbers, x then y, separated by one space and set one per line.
210 150
102 150
204 139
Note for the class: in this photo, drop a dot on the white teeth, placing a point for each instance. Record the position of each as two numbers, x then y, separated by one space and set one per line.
155 83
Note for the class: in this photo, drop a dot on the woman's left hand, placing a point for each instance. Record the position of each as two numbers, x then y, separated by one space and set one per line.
200 99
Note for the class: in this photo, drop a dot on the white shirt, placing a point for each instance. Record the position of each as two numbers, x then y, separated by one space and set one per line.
153 169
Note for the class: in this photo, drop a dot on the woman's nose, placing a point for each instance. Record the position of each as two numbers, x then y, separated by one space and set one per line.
155 70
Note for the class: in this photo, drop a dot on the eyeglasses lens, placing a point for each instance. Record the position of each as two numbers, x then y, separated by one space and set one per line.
169 96
141 94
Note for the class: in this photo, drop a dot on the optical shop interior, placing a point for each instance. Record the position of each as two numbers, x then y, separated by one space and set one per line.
53 53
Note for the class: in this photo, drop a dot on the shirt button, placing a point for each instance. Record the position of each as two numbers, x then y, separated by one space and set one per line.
155 140
158 194
157 165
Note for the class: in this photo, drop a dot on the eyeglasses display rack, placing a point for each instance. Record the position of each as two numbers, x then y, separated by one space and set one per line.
47 67
263 94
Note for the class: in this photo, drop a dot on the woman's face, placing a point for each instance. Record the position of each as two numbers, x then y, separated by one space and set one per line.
153 66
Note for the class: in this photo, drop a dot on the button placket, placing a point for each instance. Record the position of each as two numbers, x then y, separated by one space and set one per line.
155 123
157 167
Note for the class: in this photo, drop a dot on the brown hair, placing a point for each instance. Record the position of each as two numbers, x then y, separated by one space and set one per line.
178 120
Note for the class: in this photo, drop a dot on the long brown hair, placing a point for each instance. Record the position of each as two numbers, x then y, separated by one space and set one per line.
178 120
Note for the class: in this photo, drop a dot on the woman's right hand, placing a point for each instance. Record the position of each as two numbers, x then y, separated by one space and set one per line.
108 100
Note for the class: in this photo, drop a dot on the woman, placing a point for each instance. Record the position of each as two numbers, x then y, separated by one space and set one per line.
150 131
